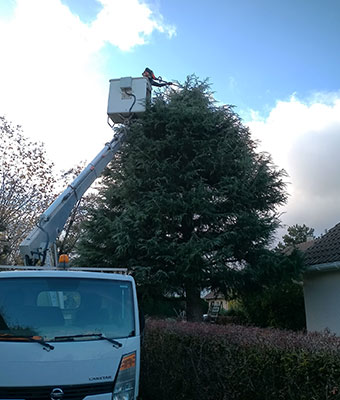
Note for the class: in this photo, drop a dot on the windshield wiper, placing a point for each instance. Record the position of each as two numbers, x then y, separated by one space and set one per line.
34 339
100 336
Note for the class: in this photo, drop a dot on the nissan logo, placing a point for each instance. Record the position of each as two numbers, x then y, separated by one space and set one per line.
57 394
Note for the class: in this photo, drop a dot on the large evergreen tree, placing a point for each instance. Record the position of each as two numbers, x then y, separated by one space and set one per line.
189 200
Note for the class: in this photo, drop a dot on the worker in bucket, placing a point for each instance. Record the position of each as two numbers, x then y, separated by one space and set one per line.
148 73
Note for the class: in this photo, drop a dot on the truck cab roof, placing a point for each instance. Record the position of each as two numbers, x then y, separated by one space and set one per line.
63 274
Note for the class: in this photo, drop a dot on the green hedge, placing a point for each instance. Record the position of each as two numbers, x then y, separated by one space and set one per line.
210 362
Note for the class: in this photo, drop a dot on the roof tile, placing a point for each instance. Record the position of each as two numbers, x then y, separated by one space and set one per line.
325 249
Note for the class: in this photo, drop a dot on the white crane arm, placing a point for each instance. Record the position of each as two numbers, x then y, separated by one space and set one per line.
127 97
36 245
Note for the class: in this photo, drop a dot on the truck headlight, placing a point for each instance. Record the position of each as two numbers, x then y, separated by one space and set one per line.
126 379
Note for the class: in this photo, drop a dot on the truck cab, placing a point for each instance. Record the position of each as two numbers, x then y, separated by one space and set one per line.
71 335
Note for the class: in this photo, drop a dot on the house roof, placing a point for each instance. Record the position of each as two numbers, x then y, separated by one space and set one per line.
326 249
214 296
301 246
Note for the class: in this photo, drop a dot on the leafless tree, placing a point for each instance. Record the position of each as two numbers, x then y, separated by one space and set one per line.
26 188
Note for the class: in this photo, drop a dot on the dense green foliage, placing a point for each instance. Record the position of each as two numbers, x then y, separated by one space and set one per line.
208 362
270 292
189 200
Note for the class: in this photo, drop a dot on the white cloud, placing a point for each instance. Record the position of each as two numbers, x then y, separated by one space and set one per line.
304 138
51 74
127 23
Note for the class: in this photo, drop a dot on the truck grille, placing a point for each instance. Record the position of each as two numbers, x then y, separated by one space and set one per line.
71 392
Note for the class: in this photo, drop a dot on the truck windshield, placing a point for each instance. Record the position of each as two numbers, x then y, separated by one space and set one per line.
51 307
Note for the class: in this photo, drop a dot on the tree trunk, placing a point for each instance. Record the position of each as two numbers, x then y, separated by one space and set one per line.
193 303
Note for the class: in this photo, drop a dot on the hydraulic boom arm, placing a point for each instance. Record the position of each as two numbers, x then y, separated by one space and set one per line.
37 244
127 97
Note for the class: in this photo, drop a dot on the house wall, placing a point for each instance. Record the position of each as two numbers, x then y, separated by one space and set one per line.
217 302
322 301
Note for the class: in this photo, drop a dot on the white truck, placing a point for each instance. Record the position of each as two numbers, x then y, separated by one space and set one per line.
68 335
72 334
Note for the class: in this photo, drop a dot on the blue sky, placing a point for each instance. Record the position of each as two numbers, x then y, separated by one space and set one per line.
254 51
276 61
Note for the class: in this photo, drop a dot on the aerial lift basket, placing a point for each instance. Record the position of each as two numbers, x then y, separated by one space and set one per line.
128 96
